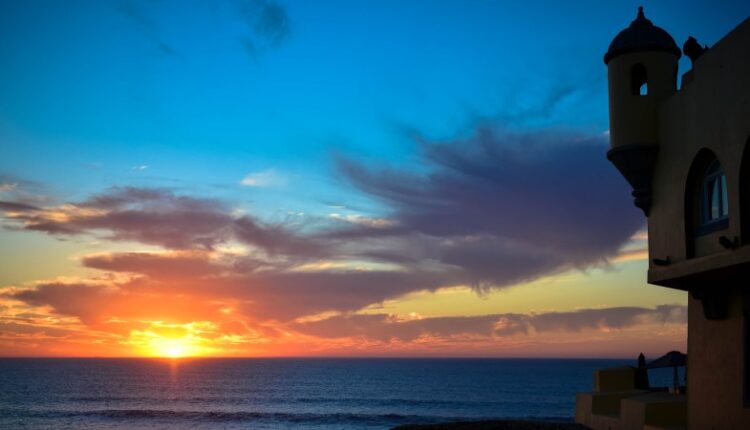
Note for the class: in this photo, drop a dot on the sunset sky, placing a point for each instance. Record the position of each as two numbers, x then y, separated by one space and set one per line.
327 178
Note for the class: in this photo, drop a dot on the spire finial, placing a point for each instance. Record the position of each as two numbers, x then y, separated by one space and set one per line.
641 18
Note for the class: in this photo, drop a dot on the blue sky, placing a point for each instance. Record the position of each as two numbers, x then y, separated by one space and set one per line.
94 89
390 132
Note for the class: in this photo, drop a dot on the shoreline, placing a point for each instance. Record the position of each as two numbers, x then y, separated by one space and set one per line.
495 425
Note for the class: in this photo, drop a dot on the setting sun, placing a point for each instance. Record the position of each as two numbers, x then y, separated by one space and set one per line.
169 340
174 348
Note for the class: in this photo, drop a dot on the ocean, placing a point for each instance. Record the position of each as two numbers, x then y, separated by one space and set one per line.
305 393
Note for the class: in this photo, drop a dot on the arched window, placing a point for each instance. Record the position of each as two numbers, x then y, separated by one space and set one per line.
638 80
714 202
706 204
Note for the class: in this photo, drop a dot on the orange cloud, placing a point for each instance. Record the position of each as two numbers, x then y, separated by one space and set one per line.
487 216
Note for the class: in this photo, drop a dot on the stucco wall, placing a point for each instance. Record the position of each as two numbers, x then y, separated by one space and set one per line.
715 369
632 118
711 112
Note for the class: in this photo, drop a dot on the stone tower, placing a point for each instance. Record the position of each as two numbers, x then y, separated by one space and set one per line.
642 71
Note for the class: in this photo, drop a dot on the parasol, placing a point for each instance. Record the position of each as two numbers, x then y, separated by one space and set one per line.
673 359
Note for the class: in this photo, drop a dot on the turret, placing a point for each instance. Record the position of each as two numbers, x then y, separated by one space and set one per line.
642 73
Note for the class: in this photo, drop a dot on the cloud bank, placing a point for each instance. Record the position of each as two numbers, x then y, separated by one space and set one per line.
489 211
384 327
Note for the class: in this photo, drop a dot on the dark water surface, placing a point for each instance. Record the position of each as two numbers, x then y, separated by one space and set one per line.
286 393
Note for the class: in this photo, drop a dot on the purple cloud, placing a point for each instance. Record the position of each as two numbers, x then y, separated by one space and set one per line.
493 210
504 207
385 328
158 217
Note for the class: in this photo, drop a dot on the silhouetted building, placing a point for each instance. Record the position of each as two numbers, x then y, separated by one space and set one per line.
686 153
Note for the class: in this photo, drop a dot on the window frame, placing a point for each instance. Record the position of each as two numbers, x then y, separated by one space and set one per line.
714 179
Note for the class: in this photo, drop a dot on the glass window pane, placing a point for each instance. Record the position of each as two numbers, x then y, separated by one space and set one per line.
715 193
714 200
724 199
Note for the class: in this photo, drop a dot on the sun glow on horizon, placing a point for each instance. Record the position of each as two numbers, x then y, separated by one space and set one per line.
170 342
176 348
173 348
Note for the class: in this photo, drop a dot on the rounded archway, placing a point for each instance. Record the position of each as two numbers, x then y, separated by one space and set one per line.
706 200
638 80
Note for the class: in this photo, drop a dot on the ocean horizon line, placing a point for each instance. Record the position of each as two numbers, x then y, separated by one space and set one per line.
293 357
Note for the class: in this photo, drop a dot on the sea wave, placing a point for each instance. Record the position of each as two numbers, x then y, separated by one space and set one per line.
369 401
311 394
219 416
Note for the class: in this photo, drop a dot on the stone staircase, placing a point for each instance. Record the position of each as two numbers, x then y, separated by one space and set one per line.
615 404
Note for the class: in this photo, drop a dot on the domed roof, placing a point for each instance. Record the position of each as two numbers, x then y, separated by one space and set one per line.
641 35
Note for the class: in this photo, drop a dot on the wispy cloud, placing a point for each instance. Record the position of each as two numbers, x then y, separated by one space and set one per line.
267 25
362 220
134 11
156 217
631 255
7 186
493 210
385 327
505 207
265 178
